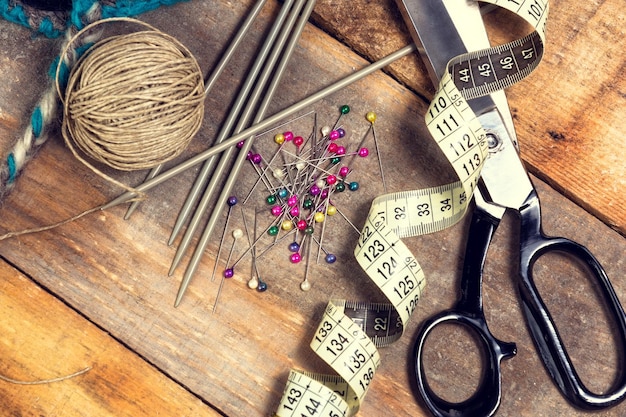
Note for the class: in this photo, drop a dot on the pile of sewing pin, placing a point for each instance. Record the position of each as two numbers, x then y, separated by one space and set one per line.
302 181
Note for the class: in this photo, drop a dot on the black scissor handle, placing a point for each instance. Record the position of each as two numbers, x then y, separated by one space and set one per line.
534 244
469 312
486 398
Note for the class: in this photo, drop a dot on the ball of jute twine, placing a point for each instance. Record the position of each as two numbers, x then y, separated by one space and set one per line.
132 101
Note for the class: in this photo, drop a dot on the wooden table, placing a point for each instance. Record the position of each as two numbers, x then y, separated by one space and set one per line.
96 292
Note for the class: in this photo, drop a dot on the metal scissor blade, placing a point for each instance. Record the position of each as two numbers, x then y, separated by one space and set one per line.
444 29
427 20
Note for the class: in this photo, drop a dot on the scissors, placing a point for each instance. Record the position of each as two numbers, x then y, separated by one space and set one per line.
444 29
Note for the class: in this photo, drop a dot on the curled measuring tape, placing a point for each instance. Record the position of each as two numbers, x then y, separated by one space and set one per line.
350 333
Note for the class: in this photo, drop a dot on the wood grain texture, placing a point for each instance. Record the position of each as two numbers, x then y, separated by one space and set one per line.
42 339
114 272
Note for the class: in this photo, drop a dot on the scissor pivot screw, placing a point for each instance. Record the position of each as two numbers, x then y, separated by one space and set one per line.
493 142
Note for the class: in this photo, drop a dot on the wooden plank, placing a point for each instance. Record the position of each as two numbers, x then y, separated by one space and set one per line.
43 339
115 272
568 113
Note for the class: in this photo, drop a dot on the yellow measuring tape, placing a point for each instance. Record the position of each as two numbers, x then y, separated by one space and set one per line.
350 333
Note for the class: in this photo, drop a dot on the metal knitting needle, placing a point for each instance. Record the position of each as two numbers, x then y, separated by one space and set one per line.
230 181
285 123
211 80
242 100
264 58
243 30
133 206
265 124
263 173
277 74
225 131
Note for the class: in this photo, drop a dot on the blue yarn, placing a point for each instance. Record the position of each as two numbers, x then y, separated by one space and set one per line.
13 14
36 121
64 71
79 9
16 14
47 28
134 7
12 168
52 70
121 8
